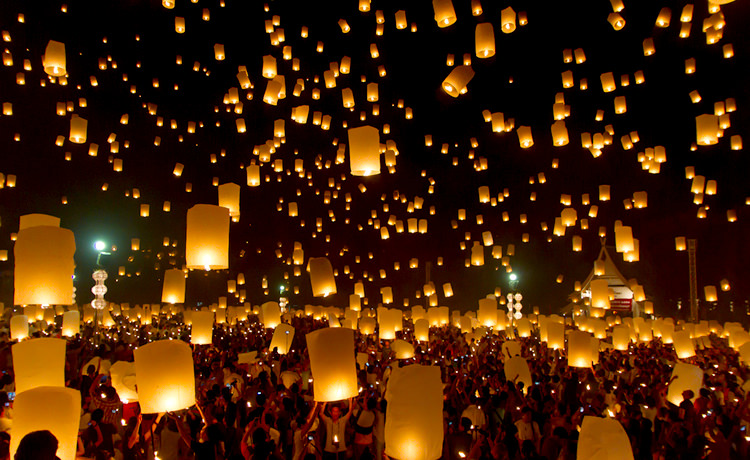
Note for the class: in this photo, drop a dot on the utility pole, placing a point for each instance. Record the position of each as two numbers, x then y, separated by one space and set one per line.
427 268
693 276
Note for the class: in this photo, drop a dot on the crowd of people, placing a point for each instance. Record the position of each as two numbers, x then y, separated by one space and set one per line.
266 408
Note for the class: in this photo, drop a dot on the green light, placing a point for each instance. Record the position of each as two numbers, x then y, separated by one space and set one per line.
513 277
100 245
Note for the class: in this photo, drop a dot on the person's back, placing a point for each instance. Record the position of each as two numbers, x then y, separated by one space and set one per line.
37 445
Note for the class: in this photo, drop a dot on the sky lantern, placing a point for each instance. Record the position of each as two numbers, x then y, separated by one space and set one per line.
123 380
456 81
477 254
683 344
283 335
707 129
413 428
229 197
624 239
484 37
600 293
53 59
422 330
39 363
71 323
555 335
445 15
321 276
44 266
56 409
689 377
559 134
165 376
603 437
364 151
270 314
207 239
202 328
508 20
332 363
487 312
173 289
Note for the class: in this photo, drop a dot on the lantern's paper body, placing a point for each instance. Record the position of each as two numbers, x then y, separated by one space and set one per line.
165 376
39 363
603 438
57 409
333 364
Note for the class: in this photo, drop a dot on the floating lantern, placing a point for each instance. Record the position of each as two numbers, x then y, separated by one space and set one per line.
579 349
402 349
165 376
56 409
445 15
229 197
484 36
455 83
321 276
78 128
173 289
270 314
518 367
53 59
683 344
123 381
559 134
44 266
364 151
707 129
333 364
422 330
207 240
71 324
508 20
413 428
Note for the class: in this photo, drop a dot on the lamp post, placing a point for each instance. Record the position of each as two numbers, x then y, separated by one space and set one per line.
99 289
514 300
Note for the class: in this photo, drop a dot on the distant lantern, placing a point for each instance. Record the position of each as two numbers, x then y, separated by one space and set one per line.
508 20
145 210
321 276
683 344
413 429
364 151
679 243
477 255
44 266
484 37
202 328
173 289
55 409
332 364
270 313
710 293
455 83
603 437
179 24
487 312
445 15
166 377
53 59
253 175
219 54
616 21
207 239
78 128
707 129
269 67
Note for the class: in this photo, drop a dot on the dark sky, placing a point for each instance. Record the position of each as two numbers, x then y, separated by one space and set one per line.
521 81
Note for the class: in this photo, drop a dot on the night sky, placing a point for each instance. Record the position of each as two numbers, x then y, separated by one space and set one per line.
129 46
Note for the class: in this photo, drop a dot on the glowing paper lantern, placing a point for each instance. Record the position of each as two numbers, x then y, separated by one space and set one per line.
579 349
282 339
332 363
56 409
422 330
455 83
78 128
445 15
508 20
203 328
270 314
39 363
71 324
321 276
621 337
555 335
364 151
123 380
53 59
484 36
707 129
559 134
624 239
173 289
710 293
603 437
19 327
37 220
683 344
44 266
367 326
413 427
517 366
402 349
689 377
207 240
229 197
165 376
